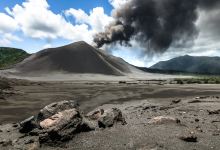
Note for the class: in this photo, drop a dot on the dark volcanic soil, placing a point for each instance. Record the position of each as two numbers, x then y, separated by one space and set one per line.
139 134
27 98
197 107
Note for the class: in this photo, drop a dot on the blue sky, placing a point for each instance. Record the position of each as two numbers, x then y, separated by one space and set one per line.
57 7
34 25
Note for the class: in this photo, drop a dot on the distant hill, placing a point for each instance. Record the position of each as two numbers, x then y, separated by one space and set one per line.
77 57
190 64
11 56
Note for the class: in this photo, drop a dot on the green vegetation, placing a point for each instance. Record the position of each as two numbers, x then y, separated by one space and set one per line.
11 56
189 64
198 80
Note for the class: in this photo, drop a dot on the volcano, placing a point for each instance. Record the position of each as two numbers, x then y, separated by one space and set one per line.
78 57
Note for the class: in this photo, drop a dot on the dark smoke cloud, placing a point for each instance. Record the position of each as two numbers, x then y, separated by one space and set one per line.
156 24
209 4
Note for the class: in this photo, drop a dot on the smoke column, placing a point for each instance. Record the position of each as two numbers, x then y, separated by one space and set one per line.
155 24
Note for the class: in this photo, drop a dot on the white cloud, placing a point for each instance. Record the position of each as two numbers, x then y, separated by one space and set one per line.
8 24
96 19
7 38
36 20
79 15
117 3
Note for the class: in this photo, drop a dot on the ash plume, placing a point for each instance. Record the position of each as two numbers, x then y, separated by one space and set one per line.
155 24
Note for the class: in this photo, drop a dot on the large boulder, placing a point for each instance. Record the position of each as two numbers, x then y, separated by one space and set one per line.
60 121
55 108
61 126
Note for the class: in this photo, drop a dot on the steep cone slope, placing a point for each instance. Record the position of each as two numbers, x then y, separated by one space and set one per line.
78 57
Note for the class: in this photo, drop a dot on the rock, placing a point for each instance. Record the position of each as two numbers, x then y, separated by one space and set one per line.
201 97
59 122
107 118
55 108
195 101
15 125
165 108
61 126
198 128
27 125
122 82
190 137
88 125
214 121
59 119
176 101
196 120
96 114
5 142
149 107
35 132
216 134
163 120
214 112
110 117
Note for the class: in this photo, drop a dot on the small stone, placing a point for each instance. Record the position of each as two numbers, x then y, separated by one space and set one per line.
189 138
176 101
198 128
163 120
15 125
14 141
122 82
195 101
201 97
5 142
110 117
196 120
216 134
214 112
149 107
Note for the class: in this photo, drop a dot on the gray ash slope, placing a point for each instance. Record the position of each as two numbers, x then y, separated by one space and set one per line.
78 57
